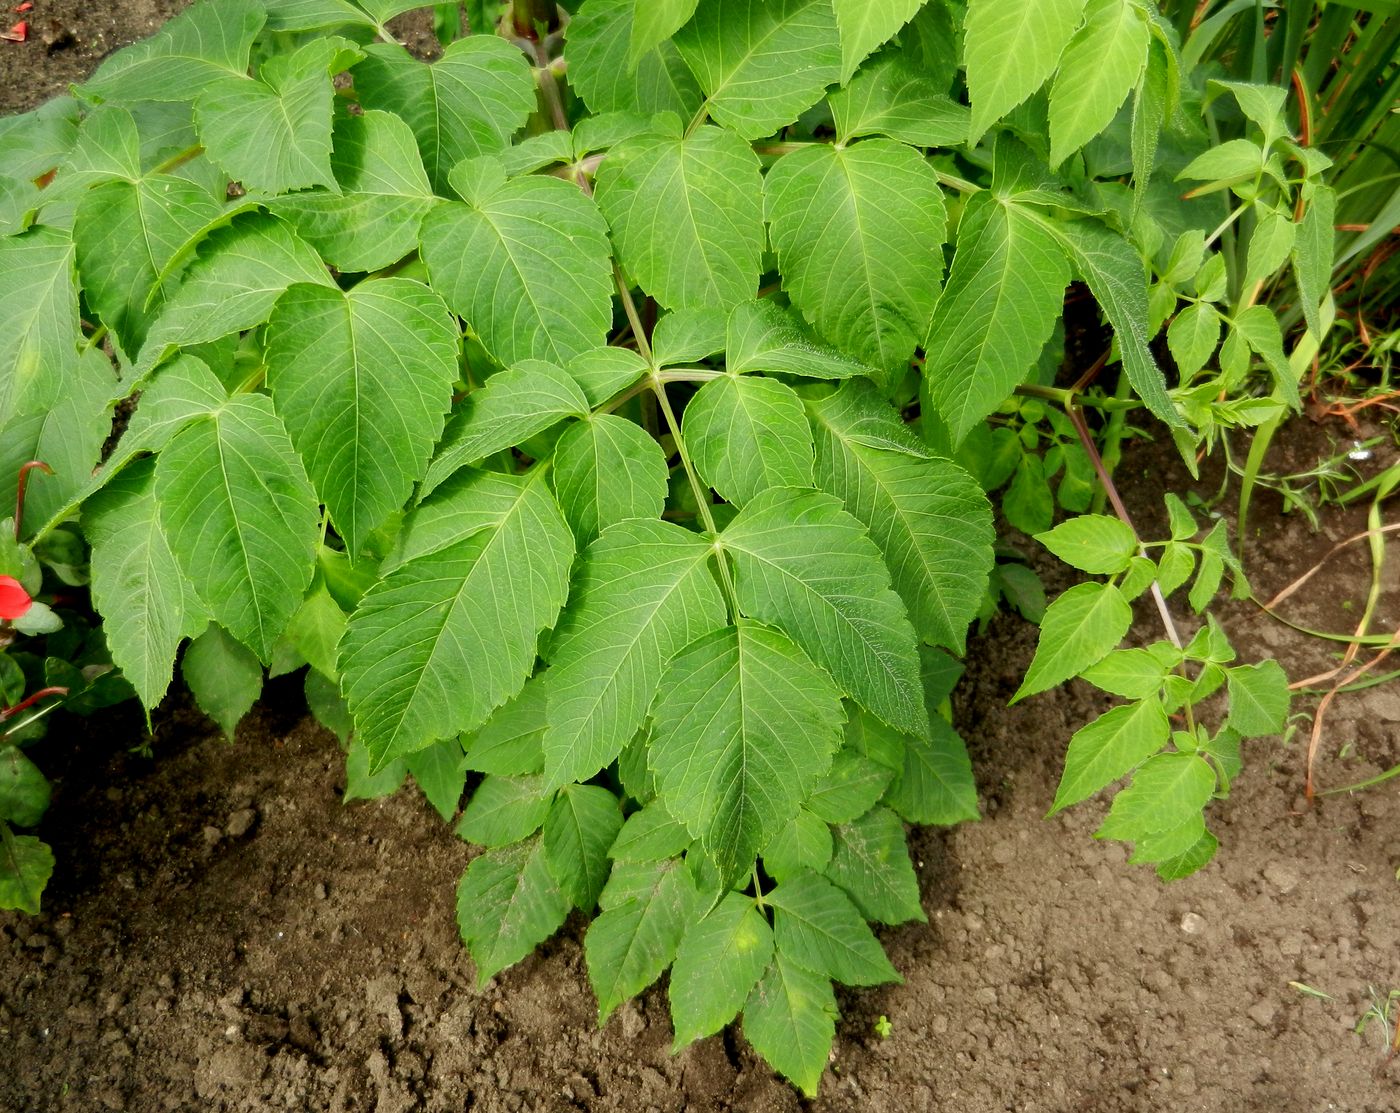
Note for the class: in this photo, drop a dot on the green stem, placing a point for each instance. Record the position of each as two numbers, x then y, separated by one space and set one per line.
633 317
959 185
175 161
1067 398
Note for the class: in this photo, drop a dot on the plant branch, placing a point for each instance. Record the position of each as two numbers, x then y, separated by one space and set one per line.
633 317
22 487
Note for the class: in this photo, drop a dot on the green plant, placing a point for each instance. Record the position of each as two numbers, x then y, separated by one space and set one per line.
582 410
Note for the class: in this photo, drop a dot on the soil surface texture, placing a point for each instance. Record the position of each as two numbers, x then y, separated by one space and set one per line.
222 933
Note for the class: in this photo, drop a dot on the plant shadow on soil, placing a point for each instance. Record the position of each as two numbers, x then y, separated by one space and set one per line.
222 933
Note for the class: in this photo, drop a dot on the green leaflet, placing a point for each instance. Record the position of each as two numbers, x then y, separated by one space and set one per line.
240 272
362 380
1078 630
26 864
610 76
649 835
763 336
1004 293
865 24
1111 746
39 305
930 519
1100 65
687 335
858 232
893 97
136 582
747 434
507 904
580 827
1192 337
467 103
643 590
313 15
439 774
1259 698
372 218
210 42
483 574
742 727
1011 50
241 518
24 791
273 133
158 215
790 1018
646 907
803 844
1168 791
871 863
1095 543
605 372
1314 248
805 565
653 22
504 810
935 785
854 785
526 261
687 216
719 961
761 62
511 407
508 743
816 926
224 677
607 469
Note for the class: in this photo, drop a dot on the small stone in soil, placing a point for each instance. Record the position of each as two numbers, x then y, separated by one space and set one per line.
1193 924
1263 1014
1281 876
240 823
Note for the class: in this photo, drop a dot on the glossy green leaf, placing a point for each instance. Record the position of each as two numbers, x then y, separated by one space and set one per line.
743 726
687 216
653 22
439 774
859 235
649 835
866 24
719 961
1111 746
642 591
1099 544
486 570
761 62
507 904
854 785
1168 791
509 743
1192 337
893 97
747 434
764 336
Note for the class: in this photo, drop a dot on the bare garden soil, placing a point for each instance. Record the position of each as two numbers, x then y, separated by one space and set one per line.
222 933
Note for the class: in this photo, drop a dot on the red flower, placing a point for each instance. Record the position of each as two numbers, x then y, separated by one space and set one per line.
14 600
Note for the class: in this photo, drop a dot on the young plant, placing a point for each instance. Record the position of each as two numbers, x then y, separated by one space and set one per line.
582 409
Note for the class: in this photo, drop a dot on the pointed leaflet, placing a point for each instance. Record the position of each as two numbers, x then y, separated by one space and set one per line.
804 844
742 726
719 961
653 22
761 335
1152 104
628 945
126 234
1114 744
363 380
467 606
1258 698
209 42
241 518
39 308
238 276
790 1019
507 904
314 15
372 219
26 864
1314 248
859 236
608 469
893 97
439 775
1011 50
1099 67
582 824
509 742
606 74
748 434
817 927
273 133
1095 543
687 216
806 566
853 785
865 24
1004 293
511 407
928 516
871 863
525 261
650 835
68 436
1116 276
223 676
605 372
1167 792
467 103
935 786
136 583
1078 630
503 810
643 590
688 335
761 63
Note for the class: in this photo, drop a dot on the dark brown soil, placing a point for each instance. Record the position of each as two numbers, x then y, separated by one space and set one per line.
223 934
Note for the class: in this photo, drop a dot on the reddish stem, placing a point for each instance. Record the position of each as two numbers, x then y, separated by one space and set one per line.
30 701
22 487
